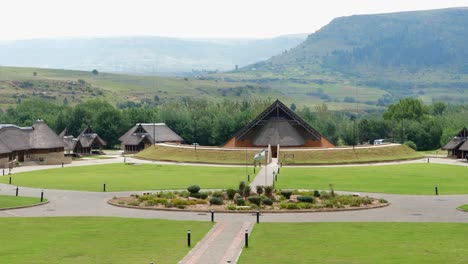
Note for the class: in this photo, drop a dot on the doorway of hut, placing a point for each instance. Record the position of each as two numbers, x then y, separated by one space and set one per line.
274 152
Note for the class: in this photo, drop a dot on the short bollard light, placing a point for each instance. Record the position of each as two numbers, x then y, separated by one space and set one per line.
437 190
258 216
42 196
278 170
248 178
246 238
3 172
212 215
104 187
17 190
10 180
188 238
276 177
62 164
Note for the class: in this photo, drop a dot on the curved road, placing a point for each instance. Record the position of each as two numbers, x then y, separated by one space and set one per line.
403 208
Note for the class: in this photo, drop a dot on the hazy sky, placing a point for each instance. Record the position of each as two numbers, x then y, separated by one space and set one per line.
24 19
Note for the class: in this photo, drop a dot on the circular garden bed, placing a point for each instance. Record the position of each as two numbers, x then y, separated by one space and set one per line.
244 200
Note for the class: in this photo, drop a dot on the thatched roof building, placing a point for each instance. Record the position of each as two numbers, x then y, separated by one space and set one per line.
85 143
143 135
35 143
458 145
278 125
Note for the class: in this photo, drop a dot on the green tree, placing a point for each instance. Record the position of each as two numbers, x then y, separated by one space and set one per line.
408 108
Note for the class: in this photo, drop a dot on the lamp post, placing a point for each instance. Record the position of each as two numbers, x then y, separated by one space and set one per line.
353 118
194 129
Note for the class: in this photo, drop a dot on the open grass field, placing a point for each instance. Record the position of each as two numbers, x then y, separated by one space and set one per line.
7 201
312 156
120 177
363 243
96 240
396 179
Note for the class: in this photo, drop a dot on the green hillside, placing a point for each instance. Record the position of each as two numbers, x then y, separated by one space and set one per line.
375 60
72 87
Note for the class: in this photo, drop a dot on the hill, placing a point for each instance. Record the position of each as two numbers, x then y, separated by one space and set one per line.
143 54
73 87
375 59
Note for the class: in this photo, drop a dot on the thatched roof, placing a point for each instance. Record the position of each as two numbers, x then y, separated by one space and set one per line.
88 137
38 136
146 131
278 125
457 141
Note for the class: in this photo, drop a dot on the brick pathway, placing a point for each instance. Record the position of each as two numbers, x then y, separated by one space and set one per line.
223 243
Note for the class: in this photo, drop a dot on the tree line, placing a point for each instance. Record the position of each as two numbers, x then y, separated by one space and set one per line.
205 122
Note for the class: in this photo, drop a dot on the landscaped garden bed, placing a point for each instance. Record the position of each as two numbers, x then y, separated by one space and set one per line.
244 199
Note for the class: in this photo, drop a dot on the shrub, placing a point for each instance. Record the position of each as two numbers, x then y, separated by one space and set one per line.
240 202
316 193
241 187
184 194
199 195
193 189
181 206
411 144
253 206
305 199
150 203
305 205
145 198
231 193
325 195
292 206
216 201
268 190
134 203
232 207
382 200
178 201
217 194
267 201
247 191
255 199
259 189
287 194
328 204
160 200
169 205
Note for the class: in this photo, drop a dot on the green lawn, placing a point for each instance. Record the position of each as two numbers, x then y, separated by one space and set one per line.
96 240
120 177
398 179
463 207
7 201
363 243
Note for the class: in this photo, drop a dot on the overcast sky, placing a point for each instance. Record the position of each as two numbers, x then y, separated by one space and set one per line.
25 19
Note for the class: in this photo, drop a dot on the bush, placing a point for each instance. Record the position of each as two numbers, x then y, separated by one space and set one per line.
268 190
305 205
286 194
255 199
292 206
217 194
216 201
240 202
325 195
305 199
267 201
241 187
259 189
181 206
382 200
150 203
253 206
134 203
316 193
178 201
411 144
247 191
231 193
199 195
232 207
193 189
169 205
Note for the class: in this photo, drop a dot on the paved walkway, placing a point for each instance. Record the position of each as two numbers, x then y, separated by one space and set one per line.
223 243
266 175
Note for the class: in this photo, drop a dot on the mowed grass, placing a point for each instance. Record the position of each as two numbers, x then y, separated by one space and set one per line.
463 207
339 156
96 240
363 243
213 155
310 156
7 201
397 179
120 177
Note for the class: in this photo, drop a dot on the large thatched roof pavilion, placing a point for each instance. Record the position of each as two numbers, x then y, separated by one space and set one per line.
278 125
